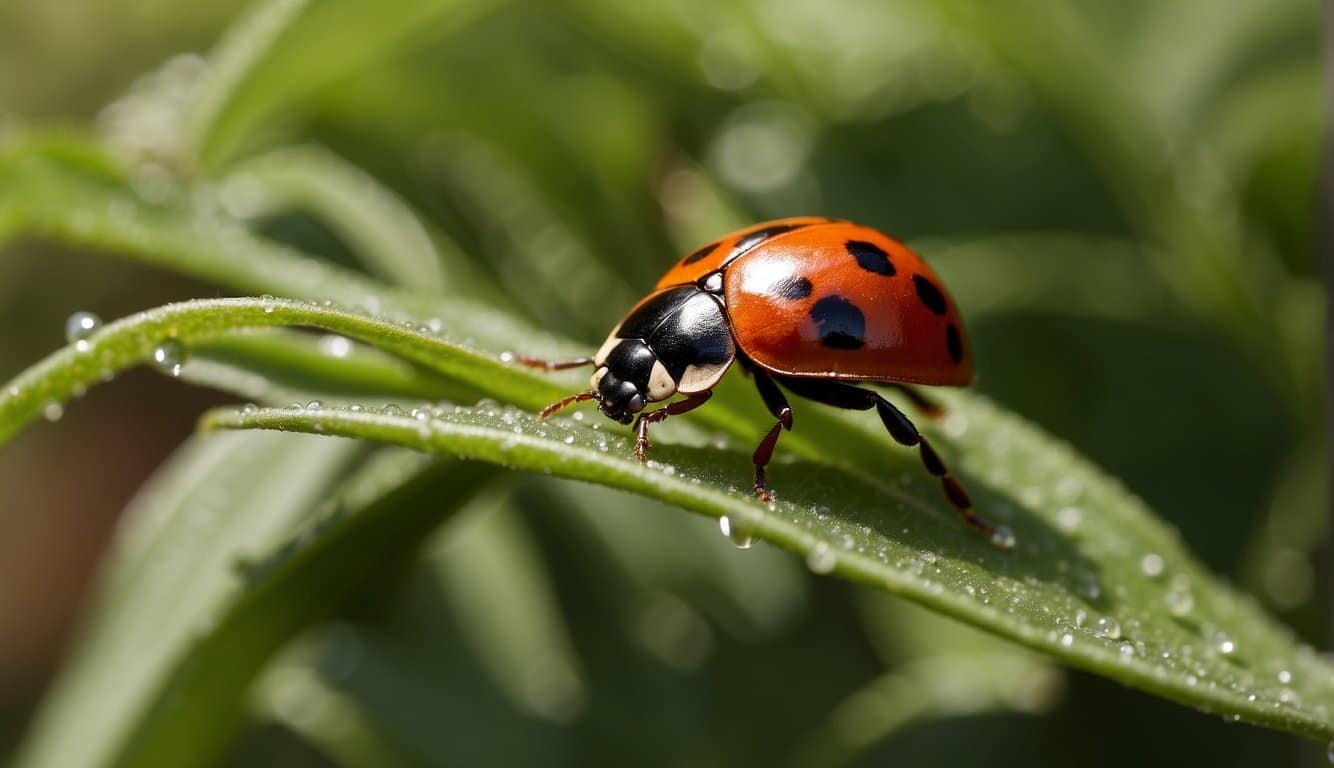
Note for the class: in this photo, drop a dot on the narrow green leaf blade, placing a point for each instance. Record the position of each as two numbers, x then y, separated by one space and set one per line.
1094 581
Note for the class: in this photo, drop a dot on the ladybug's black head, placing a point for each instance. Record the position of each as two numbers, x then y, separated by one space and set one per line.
622 380
619 399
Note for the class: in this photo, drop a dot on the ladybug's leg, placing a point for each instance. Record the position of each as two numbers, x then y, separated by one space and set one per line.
564 401
900 428
777 405
552 365
929 408
690 403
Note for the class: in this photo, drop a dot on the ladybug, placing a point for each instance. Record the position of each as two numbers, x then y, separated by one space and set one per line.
804 304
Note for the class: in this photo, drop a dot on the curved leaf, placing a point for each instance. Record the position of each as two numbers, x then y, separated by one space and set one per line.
163 336
1094 580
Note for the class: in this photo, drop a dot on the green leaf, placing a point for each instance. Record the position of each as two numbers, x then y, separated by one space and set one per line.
280 54
382 230
163 336
232 550
1095 581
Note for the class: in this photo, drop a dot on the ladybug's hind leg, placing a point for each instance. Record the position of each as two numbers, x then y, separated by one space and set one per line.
777 405
929 408
900 428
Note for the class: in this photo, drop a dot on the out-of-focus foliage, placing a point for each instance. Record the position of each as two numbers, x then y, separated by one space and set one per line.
1120 196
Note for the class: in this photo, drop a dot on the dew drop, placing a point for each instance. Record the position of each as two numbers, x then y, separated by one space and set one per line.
1180 601
334 345
1284 676
1069 518
1152 565
53 411
736 537
315 405
568 440
1126 650
1107 627
249 409
1003 538
506 357
268 302
169 357
81 325
421 414
1224 643
1067 640
821 559
393 410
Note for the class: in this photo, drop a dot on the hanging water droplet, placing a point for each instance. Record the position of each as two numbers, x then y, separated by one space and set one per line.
1107 627
81 325
53 410
1003 538
740 540
821 558
169 357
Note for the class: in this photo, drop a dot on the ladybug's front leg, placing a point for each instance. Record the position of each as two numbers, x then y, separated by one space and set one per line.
777 405
690 403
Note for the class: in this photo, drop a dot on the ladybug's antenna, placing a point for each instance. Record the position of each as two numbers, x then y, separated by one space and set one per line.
564 401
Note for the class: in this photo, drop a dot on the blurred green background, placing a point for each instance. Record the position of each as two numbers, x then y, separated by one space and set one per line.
1121 196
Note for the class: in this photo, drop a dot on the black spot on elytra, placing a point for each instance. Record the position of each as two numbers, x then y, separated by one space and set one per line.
752 239
791 288
842 325
870 257
929 294
954 343
699 254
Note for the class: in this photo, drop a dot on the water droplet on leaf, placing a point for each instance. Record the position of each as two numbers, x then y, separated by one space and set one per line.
81 325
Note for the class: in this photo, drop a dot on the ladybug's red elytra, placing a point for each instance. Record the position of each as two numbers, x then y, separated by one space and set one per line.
804 304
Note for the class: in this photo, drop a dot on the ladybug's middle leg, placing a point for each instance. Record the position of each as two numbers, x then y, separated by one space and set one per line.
690 403
900 428
777 405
